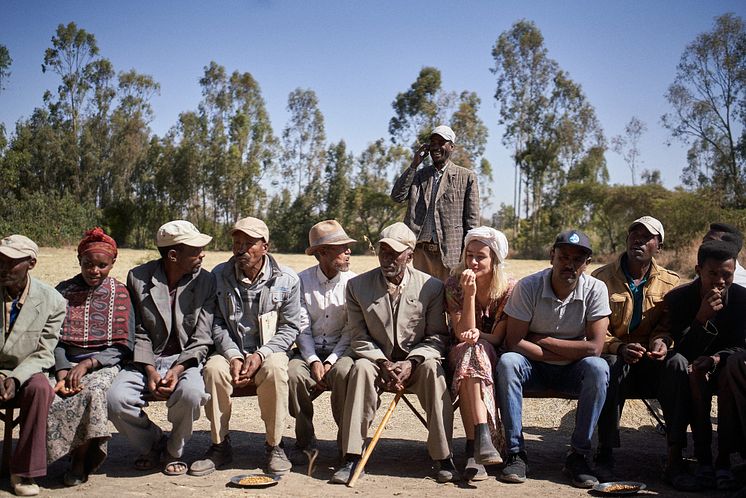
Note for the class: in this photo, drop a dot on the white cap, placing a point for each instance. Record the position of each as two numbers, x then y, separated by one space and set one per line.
180 232
446 132
654 226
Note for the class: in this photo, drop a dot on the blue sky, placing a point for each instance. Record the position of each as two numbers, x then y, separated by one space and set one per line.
357 56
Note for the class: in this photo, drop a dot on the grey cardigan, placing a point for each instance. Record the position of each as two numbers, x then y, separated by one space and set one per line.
281 293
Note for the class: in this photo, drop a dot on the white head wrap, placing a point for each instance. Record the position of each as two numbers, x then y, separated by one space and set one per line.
494 239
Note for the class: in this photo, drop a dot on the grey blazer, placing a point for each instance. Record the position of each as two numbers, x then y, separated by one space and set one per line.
420 325
195 306
29 348
456 205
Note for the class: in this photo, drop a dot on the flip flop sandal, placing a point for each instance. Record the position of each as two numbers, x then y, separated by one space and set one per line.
176 463
725 480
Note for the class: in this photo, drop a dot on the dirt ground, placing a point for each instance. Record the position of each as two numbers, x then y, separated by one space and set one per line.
399 465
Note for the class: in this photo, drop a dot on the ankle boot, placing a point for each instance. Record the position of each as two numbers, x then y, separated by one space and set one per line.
484 451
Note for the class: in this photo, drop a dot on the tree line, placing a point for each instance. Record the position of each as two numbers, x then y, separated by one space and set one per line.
87 156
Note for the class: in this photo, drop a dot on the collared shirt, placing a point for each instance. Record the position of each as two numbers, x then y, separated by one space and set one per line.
428 232
637 295
323 315
250 291
534 301
13 306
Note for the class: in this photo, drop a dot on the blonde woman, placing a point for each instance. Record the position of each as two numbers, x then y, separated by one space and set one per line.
476 294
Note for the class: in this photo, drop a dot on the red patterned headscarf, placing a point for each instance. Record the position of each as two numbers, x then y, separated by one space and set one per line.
96 241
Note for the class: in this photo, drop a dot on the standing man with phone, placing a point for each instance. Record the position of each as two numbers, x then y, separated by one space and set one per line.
443 204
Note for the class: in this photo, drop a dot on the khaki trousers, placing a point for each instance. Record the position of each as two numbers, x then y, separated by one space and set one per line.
302 387
430 262
428 382
271 388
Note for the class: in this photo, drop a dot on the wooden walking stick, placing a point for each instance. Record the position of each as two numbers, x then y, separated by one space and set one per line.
366 454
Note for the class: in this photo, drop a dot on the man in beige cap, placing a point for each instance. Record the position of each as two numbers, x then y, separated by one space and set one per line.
256 323
443 204
396 320
31 320
638 341
319 363
174 301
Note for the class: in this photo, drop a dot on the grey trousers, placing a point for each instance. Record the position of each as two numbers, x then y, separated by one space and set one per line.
302 387
125 401
428 382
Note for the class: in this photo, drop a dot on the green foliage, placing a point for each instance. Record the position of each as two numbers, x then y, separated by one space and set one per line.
549 124
48 219
5 63
708 97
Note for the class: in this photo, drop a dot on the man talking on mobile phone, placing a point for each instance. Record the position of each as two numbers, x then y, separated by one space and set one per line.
443 204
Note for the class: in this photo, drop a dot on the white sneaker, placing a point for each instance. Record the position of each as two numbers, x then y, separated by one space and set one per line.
23 486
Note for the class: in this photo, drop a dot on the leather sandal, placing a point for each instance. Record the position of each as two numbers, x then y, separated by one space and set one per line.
179 467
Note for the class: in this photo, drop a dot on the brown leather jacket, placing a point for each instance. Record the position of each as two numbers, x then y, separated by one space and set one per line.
652 326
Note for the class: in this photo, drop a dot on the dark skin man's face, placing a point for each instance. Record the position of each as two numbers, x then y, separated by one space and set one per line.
440 149
568 263
13 272
642 246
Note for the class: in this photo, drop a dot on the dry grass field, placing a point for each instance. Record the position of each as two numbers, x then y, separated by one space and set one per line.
57 264
399 466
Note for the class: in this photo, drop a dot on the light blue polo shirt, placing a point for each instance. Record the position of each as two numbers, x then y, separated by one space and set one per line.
534 301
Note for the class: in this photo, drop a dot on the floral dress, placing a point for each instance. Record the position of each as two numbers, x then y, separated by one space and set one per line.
477 361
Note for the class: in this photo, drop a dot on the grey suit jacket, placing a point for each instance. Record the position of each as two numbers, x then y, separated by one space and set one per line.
420 326
456 205
29 348
195 306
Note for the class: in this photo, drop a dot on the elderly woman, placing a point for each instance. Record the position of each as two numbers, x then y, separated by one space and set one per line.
476 294
97 334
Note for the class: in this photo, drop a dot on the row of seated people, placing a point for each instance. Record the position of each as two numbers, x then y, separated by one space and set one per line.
178 333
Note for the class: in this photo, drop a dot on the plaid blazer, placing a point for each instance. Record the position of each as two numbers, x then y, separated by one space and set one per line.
456 205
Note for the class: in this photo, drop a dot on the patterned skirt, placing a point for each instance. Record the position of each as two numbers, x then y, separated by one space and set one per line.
478 361
80 418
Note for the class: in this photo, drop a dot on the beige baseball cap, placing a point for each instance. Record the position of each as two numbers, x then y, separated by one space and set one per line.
654 226
444 131
327 233
398 236
180 232
18 247
253 227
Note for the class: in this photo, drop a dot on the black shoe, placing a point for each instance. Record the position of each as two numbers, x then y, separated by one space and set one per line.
515 468
603 467
576 467
445 471
344 473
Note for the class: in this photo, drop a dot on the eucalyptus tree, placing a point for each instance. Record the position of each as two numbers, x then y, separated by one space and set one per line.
5 63
303 140
548 122
628 145
708 97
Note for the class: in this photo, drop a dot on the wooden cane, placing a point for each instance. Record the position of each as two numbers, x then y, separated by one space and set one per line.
366 454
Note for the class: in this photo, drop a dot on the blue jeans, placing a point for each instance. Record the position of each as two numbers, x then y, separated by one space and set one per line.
586 378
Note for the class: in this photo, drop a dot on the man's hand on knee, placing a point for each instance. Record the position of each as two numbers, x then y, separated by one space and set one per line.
168 383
